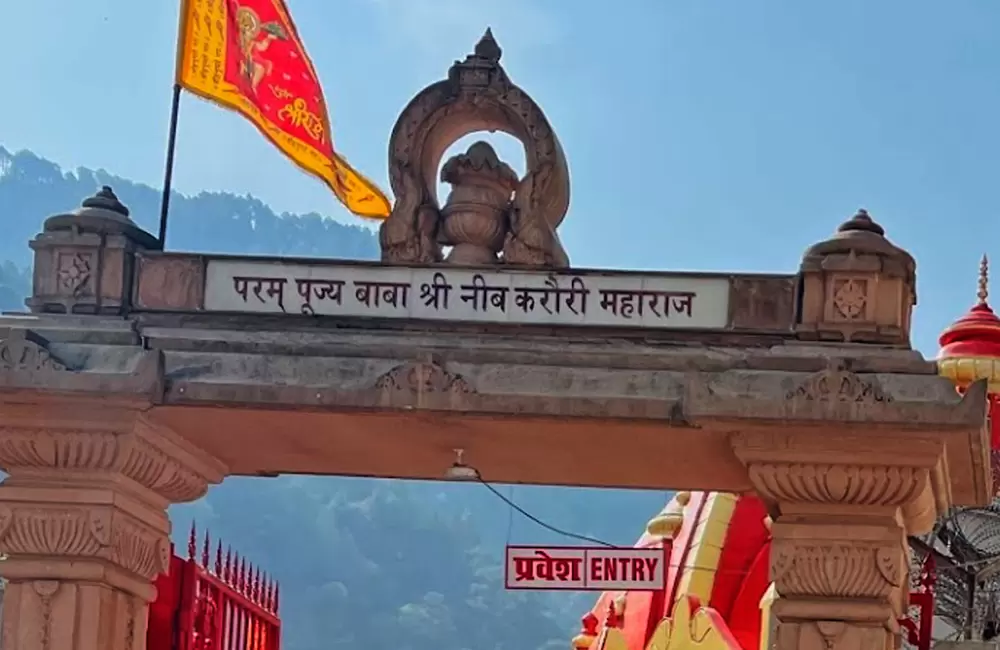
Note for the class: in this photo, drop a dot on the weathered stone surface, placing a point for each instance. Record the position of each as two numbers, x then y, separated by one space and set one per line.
692 392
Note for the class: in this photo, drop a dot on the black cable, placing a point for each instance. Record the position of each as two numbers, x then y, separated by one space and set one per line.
531 517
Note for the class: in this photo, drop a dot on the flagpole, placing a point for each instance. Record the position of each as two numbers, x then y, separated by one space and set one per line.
175 107
168 174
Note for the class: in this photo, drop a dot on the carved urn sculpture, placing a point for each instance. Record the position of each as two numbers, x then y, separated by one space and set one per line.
477 95
474 219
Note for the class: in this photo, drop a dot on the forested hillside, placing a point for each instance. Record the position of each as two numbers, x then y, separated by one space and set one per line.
363 564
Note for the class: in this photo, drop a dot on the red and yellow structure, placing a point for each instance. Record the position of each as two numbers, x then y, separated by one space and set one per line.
718 591
717 582
970 351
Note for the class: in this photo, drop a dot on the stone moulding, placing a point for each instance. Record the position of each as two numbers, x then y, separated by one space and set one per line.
24 351
130 447
832 396
27 364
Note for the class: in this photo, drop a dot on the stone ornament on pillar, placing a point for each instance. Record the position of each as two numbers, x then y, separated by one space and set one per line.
477 96
857 286
84 259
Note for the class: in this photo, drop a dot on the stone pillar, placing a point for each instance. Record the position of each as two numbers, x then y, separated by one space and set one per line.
83 519
839 559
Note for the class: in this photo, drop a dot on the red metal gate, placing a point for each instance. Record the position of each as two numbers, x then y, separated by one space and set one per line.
228 606
919 623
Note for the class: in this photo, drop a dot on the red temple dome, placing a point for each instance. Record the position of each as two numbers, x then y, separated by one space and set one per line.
970 352
974 339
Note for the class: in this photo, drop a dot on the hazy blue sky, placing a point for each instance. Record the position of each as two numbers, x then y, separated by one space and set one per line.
701 134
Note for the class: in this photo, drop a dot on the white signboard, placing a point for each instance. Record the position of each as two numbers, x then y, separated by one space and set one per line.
496 296
584 568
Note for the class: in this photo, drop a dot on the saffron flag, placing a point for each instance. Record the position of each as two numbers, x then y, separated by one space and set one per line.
245 55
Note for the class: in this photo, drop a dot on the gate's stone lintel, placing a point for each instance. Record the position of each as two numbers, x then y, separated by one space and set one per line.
396 402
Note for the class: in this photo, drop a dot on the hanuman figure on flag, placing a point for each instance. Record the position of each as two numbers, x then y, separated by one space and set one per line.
255 38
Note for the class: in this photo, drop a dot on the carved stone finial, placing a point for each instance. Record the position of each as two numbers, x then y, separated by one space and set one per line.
984 280
102 213
487 47
84 258
861 222
857 286
477 95
105 199
475 219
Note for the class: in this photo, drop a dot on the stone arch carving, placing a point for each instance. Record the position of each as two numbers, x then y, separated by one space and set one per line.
476 96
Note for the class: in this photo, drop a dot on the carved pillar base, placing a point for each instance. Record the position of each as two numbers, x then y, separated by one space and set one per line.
83 522
839 555
75 615
80 565
841 580
833 635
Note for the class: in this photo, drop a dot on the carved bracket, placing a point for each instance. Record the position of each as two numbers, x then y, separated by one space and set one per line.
831 395
23 350
422 384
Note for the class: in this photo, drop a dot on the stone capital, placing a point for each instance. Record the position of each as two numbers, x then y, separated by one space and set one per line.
82 445
83 521
888 473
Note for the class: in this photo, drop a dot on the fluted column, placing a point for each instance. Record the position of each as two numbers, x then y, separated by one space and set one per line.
843 507
83 520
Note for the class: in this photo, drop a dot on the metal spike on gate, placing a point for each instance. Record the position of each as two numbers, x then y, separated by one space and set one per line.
192 542
205 552
276 597
227 569
242 575
218 558
265 593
